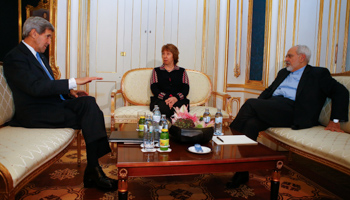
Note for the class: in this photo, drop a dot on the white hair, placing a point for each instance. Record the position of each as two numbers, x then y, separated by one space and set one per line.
303 49
38 23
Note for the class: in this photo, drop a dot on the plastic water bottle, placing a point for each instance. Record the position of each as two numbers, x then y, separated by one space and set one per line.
218 123
206 116
156 121
156 114
163 124
148 134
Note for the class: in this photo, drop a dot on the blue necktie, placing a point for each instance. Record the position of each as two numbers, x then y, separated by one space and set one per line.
47 71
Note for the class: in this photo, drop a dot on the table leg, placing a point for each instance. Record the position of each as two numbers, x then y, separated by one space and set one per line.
114 148
275 181
123 184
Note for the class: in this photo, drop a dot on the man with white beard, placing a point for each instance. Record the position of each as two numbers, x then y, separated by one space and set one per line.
294 99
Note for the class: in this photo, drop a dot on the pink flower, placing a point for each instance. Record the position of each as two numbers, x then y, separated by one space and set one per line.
182 113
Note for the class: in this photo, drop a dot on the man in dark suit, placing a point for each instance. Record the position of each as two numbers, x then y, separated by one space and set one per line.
294 99
42 102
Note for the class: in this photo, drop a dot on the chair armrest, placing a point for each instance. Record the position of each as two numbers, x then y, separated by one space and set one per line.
222 94
113 102
227 101
113 99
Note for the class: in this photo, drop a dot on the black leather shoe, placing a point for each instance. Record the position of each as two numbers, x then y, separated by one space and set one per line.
238 179
95 177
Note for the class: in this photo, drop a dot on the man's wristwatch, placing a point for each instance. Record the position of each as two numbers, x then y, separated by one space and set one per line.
336 120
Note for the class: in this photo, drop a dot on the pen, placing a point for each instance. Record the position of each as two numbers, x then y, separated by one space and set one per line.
220 139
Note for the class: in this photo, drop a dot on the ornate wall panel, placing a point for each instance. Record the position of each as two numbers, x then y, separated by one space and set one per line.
322 25
109 37
112 37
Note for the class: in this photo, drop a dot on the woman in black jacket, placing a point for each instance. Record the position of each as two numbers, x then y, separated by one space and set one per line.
169 83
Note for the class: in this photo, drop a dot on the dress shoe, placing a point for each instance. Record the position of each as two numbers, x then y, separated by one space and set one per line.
238 179
95 177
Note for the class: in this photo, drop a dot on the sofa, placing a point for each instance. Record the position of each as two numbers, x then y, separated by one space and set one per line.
24 152
327 147
135 92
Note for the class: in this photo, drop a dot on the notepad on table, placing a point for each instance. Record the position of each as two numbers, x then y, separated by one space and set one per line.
233 139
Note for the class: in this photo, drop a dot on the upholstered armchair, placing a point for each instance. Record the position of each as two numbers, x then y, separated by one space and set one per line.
136 93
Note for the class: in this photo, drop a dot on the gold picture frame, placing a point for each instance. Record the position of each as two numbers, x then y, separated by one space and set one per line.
46 9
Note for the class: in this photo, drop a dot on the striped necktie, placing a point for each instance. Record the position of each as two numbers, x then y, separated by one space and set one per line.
47 71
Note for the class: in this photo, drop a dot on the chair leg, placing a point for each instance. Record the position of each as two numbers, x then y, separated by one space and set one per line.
226 122
121 126
112 124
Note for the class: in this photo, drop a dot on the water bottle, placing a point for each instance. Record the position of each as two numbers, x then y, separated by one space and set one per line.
156 131
218 123
148 134
206 116
156 121
163 124
156 114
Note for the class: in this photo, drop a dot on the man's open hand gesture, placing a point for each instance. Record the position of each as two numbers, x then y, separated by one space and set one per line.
84 80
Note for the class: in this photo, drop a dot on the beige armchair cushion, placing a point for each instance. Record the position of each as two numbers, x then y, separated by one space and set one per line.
326 110
128 114
325 144
6 101
23 150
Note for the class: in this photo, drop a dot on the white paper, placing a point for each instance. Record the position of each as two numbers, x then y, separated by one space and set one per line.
234 139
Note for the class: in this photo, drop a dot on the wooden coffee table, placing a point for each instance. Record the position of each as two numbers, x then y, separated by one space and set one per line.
131 162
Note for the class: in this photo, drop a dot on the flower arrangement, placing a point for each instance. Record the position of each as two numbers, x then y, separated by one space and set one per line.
183 119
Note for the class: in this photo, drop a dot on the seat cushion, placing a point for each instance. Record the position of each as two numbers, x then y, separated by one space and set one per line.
333 146
23 150
128 114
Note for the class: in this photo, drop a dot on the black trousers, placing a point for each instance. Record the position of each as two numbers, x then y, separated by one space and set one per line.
84 113
259 114
165 109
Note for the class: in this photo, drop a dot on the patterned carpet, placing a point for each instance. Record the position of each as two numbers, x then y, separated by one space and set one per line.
64 180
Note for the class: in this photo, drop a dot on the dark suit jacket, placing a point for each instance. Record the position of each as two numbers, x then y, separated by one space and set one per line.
36 97
316 84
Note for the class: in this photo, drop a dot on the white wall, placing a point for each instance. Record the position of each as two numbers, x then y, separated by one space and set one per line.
140 28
